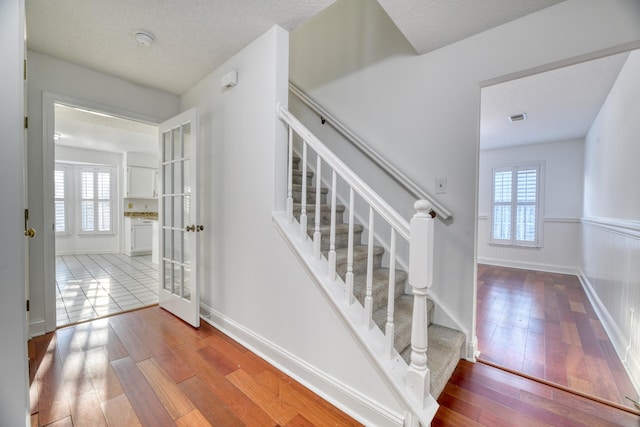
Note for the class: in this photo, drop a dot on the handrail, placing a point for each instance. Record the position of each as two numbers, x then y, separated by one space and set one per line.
391 170
371 197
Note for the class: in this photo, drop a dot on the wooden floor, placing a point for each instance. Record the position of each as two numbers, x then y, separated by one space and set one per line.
146 368
481 395
543 325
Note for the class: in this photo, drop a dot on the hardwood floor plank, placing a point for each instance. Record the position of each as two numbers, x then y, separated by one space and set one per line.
65 422
305 403
300 421
247 410
112 344
281 411
87 412
450 418
119 412
136 349
175 367
174 401
144 401
193 419
210 405
103 377
53 404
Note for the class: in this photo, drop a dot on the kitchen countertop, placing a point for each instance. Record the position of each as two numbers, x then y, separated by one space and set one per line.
145 215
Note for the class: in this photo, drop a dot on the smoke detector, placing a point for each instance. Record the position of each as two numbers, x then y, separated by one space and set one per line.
145 38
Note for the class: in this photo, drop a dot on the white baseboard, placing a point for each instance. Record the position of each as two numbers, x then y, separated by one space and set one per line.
630 361
526 265
350 401
37 328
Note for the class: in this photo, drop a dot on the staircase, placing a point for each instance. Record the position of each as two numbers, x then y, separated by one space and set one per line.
444 344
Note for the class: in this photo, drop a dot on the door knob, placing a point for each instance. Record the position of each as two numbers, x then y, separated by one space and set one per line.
191 228
30 233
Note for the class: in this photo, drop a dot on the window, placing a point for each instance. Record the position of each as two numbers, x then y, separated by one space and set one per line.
515 210
96 200
61 195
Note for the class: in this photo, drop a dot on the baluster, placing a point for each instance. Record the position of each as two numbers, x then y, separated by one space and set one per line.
316 235
390 327
290 179
332 230
349 276
368 299
420 278
303 198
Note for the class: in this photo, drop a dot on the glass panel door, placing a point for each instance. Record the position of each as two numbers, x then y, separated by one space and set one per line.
178 217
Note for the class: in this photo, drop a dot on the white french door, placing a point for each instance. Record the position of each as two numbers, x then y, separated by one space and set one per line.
178 217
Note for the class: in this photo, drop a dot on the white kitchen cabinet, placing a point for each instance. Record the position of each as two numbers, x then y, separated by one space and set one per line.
141 183
138 236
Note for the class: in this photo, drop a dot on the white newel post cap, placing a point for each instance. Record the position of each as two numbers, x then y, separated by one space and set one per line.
423 208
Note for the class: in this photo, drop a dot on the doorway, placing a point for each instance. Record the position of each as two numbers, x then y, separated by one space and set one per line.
539 313
94 274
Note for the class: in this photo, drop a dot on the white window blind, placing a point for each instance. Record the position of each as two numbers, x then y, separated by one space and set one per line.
61 199
96 202
516 205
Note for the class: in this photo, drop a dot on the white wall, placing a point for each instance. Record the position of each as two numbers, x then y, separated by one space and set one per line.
75 243
14 386
249 276
422 112
611 225
562 206
95 90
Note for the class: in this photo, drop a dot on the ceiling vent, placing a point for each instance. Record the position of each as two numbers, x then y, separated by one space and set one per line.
518 117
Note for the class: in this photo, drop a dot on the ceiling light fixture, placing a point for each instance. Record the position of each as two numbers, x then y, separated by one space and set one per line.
145 38
518 117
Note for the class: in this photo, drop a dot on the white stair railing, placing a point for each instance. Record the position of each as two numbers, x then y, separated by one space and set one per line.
414 390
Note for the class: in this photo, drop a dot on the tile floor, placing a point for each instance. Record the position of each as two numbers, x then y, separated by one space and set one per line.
91 286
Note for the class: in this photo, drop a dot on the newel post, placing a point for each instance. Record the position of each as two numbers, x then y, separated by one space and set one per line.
420 278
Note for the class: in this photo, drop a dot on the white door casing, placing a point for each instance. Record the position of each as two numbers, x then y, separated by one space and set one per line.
178 217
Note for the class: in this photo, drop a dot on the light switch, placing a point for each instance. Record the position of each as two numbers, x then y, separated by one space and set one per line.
441 185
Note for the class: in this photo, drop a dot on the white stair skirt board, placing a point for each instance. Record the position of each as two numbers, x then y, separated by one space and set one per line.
350 401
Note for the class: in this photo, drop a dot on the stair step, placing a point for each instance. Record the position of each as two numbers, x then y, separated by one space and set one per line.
443 354
325 213
298 173
380 288
402 317
359 259
342 235
311 194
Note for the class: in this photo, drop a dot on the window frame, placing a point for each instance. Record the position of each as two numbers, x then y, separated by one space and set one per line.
538 241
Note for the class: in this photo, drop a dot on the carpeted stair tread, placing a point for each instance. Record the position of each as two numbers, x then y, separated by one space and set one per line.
297 188
311 208
380 285
359 253
443 355
325 229
402 316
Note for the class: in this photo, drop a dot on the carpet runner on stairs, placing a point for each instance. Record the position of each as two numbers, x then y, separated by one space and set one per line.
444 345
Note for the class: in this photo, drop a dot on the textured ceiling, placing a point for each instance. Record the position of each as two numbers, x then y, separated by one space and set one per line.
192 37
432 24
560 104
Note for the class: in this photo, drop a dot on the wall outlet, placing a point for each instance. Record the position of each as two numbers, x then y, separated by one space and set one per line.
441 185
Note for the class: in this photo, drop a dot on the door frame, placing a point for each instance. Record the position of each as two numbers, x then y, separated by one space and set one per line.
49 99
